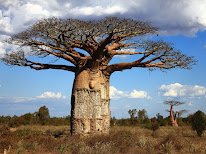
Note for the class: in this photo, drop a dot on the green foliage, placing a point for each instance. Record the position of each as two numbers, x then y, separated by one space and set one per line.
161 120
41 117
132 113
113 121
188 119
28 117
199 122
6 138
124 122
142 115
154 124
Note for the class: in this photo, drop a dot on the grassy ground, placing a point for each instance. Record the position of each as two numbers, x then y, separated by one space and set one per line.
122 139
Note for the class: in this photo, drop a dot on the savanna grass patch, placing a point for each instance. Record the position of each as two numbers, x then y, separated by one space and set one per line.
122 139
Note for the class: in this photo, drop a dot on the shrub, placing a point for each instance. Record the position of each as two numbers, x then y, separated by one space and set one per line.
152 125
198 122
6 137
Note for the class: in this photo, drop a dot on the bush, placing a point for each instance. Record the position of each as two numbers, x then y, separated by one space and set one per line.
198 122
6 138
152 125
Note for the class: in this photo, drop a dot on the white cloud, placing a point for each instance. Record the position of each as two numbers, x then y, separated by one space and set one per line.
2 49
51 95
97 10
0 85
45 96
139 94
22 99
178 90
125 50
205 46
116 94
16 15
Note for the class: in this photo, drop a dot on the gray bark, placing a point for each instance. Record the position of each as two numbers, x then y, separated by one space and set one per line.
90 113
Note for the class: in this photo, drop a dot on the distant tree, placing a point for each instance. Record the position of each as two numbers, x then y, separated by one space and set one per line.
113 121
179 113
16 121
43 115
199 122
13 121
132 113
142 115
173 115
28 118
161 120
188 119
154 125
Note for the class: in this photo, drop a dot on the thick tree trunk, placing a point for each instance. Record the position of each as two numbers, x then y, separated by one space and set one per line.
172 118
90 112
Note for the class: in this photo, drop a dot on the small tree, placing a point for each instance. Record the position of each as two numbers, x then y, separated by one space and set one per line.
43 114
161 120
199 122
142 115
154 125
173 115
113 121
132 113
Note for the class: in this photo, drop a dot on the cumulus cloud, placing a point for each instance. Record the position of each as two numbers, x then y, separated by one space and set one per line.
117 94
97 10
178 90
139 94
16 15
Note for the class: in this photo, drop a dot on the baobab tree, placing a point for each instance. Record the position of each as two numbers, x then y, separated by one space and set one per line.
174 115
87 48
180 112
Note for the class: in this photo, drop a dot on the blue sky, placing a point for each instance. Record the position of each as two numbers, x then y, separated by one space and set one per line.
181 22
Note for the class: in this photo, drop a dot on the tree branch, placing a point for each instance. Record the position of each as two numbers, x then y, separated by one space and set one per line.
50 66
18 58
98 54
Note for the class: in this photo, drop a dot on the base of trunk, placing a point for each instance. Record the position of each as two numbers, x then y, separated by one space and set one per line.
90 126
90 112
174 124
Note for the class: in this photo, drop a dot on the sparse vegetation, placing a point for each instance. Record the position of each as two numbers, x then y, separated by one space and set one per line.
122 139
150 136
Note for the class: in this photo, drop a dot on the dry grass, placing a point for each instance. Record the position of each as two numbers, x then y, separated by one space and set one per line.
122 139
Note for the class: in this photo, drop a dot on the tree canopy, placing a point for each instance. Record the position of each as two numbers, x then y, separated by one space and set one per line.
101 40
173 103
